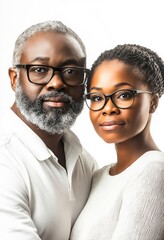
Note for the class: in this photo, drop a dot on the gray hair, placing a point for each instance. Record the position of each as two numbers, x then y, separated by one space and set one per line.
54 26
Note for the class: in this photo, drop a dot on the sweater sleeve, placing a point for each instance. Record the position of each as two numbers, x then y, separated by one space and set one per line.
142 211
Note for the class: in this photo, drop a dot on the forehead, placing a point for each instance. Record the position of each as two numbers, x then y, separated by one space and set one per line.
115 73
112 68
51 45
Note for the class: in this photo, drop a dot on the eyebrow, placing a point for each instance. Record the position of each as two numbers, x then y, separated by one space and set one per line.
117 85
66 62
70 61
41 59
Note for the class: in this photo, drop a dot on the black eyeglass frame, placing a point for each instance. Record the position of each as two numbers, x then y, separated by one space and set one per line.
110 96
55 69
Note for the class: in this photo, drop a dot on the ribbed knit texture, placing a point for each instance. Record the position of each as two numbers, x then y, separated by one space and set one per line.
127 206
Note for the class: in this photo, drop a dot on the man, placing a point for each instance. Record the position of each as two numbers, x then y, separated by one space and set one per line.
45 174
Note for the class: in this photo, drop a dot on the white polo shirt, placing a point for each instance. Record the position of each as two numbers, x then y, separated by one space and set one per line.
38 198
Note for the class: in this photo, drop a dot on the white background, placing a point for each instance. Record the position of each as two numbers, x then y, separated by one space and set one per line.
102 24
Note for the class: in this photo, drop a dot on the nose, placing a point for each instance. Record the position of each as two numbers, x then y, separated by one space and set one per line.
110 108
56 83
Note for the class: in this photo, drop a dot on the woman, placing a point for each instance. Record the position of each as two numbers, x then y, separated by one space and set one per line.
127 197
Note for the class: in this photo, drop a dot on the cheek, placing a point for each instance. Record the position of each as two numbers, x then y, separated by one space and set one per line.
30 90
75 92
136 119
140 119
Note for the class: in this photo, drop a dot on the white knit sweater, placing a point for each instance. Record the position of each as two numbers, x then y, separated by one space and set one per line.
127 206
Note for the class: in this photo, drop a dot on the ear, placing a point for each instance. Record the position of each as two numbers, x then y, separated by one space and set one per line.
154 103
13 77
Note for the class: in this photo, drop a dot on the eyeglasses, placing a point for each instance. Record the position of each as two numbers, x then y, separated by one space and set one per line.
42 74
123 99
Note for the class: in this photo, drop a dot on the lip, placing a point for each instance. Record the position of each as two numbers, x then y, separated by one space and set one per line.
56 102
112 125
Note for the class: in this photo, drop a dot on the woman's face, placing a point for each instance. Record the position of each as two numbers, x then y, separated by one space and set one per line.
112 124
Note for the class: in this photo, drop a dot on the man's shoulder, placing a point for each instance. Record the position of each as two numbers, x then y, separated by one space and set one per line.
5 137
7 120
6 132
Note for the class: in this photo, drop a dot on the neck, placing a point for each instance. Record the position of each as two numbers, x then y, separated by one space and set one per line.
128 152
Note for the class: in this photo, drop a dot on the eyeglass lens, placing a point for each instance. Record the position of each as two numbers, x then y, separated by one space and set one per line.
121 99
70 76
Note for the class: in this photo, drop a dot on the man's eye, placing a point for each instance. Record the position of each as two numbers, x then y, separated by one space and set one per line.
39 70
69 71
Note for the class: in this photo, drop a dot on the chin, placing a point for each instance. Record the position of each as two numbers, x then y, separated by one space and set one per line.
112 138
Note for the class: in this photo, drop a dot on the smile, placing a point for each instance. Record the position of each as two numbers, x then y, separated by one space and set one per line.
112 125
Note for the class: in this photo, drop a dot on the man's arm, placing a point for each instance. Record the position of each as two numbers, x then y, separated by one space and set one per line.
15 220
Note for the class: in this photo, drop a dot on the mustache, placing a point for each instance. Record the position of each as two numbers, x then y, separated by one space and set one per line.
55 94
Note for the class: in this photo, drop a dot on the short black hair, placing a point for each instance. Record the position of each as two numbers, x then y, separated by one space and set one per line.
148 64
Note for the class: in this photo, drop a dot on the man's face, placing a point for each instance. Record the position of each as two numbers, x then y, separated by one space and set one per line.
52 107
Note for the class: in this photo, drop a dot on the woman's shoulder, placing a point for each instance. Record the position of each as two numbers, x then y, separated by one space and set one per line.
149 170
152 158
148 159
154 155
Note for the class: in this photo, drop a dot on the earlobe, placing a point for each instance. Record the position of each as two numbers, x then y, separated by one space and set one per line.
154 103
13 77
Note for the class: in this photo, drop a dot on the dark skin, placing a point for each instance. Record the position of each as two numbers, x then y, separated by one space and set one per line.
58 50
128 128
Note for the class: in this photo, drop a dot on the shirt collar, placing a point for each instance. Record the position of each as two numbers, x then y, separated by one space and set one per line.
35 144
28 137
73 149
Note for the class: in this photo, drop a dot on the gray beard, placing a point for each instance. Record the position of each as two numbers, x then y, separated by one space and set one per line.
56 120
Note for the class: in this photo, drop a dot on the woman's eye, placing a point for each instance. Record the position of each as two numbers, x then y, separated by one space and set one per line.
96 98
125 95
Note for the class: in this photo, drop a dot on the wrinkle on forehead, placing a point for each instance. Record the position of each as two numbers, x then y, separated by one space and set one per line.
52 45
